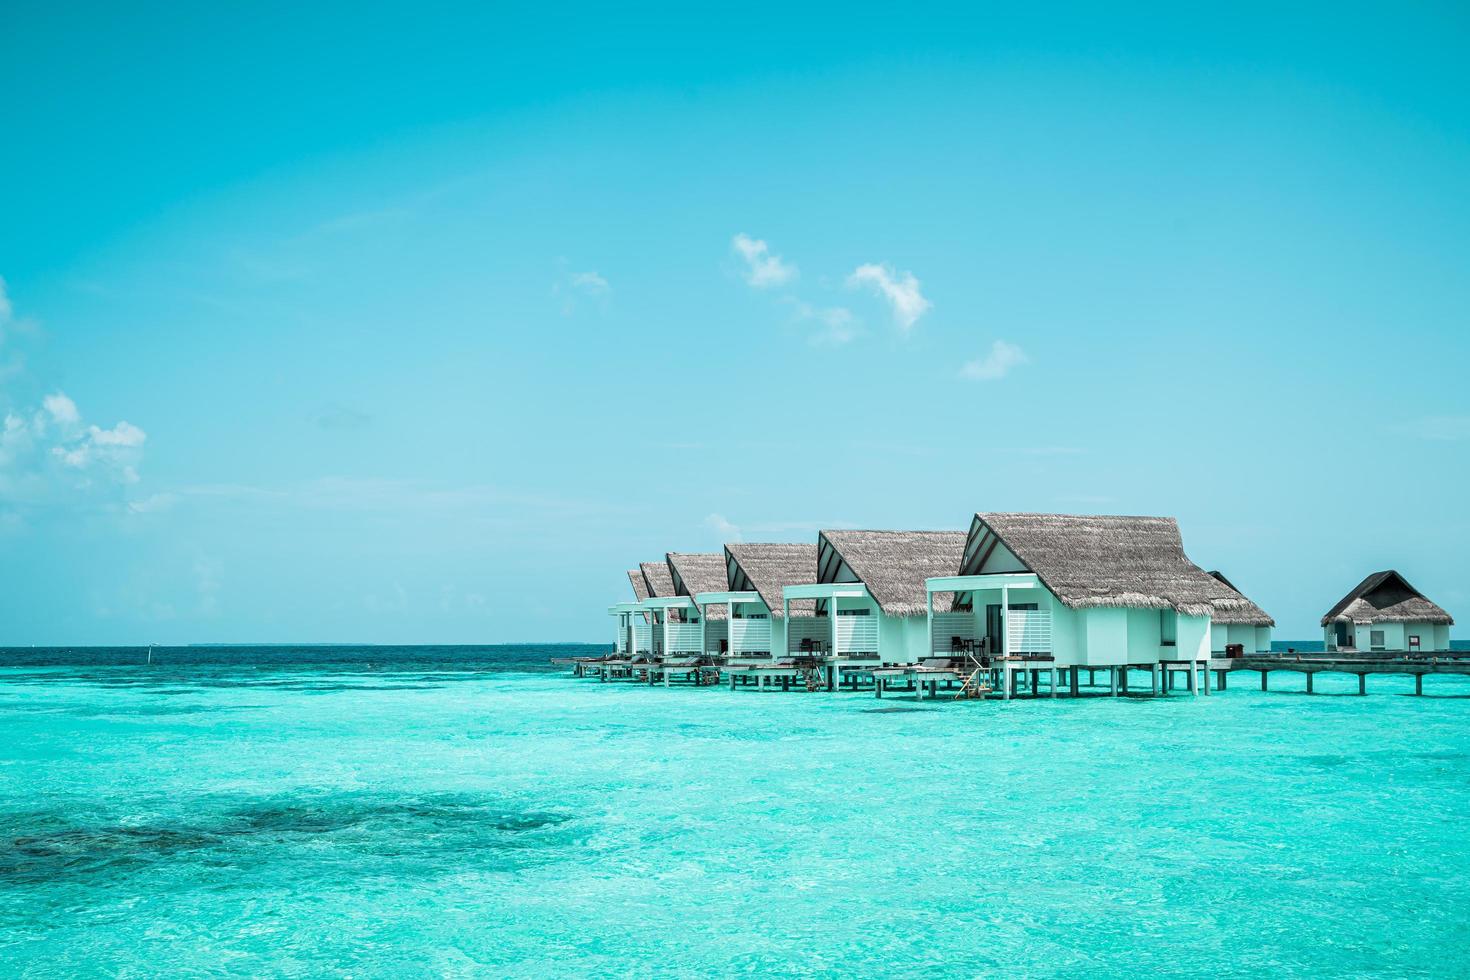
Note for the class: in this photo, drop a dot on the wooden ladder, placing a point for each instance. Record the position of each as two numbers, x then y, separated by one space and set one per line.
973 688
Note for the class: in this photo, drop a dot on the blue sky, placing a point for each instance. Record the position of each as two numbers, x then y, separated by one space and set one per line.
421 324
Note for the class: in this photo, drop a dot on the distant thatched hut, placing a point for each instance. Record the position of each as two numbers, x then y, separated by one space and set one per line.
1242 624
1084 590
634 635
756 575
1383 613
694 574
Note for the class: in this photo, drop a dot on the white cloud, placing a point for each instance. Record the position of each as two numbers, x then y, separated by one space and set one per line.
900 289
124 435
590 282
155 504
763 267
49 449
722 527
63 410
996 365
571 287
838 325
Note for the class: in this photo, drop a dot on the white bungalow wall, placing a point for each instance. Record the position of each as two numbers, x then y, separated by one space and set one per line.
1252 639
1432 637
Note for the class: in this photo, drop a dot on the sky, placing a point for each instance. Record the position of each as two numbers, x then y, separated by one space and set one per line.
394 324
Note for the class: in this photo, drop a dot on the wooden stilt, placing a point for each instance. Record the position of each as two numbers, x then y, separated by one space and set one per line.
1052 688
1363 683
1310 674
1153 677
1113 678
1193 681
1073 672
1264 675
1419 684
1204 670
1123 678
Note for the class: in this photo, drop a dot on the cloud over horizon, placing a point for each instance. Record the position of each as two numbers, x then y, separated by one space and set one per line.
995 365
763 268
900 289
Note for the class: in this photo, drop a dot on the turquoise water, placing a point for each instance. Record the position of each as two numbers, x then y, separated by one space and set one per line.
373 814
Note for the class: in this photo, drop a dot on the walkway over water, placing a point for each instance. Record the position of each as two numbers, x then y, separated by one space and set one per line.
1449 662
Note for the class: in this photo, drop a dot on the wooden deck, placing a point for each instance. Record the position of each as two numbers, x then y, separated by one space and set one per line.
1312 664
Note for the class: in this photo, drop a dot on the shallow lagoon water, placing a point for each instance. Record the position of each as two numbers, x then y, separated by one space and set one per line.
410 818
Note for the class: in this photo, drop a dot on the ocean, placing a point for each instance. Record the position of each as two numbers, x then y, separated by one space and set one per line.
432 811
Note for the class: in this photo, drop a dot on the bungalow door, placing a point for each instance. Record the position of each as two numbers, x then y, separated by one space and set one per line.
994 630
1342 636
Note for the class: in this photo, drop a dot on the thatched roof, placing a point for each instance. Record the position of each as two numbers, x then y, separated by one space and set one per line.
656 576
892 564
1248 614
640 587
769 568
695 573
1386 597
1089 561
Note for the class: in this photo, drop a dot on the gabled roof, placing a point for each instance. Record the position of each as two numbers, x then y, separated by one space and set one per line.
1249 614
657 578
695 573
640 587
769 568
1386 597
1088 561
892 564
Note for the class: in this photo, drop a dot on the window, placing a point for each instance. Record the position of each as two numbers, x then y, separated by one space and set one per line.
1168 627
1375 640
853 612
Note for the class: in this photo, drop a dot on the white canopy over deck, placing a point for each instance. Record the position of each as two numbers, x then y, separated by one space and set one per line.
634 635
845 636
748 633
1026 630
673 637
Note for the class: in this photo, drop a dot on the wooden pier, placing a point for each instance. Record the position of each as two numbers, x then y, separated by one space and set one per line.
1005 678
1360 666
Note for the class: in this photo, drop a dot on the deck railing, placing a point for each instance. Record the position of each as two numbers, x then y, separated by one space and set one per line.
750 636
1030 631
949 625
856 634
683 638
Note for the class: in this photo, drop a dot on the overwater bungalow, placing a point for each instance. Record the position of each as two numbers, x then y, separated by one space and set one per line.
1243 627
1385 613
761 625
635 633
696 574
1055 592
668 612
870 589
